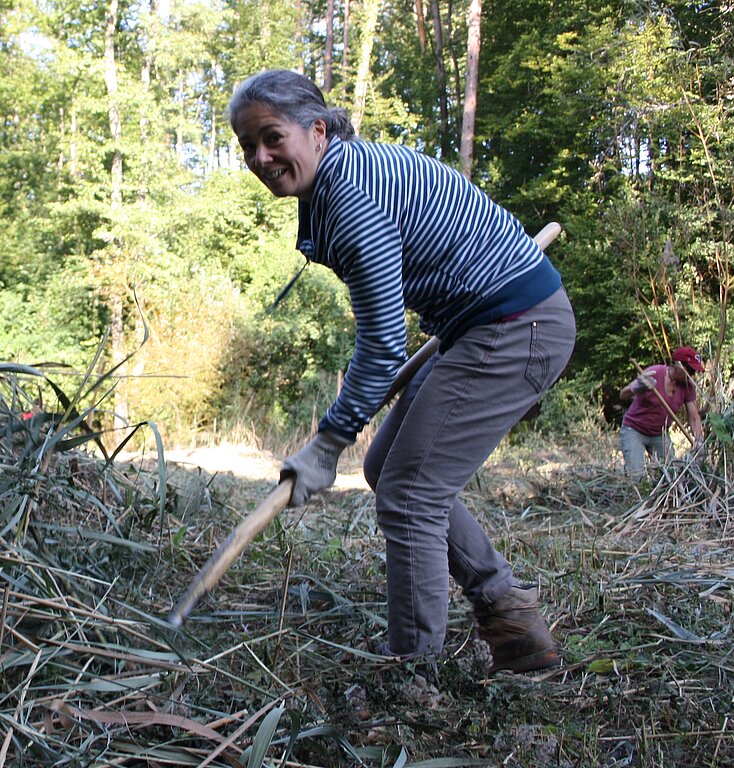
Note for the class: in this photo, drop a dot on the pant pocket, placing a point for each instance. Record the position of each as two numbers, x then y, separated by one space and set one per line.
538 368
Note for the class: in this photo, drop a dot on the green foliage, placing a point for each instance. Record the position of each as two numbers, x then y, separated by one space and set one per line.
572 409
722 427
614 120
284 361
47 325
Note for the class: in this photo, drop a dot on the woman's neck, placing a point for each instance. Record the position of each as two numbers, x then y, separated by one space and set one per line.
671 381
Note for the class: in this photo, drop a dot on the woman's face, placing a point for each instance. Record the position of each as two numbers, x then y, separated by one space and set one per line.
279 152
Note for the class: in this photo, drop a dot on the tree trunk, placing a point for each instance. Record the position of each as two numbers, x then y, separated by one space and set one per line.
345 39
369 26
181 117
146 70
234 154
145 76
443 112
212 162
420 21
299 37
451 48
73 167
329 46
62 140
110 78
116 289
466 153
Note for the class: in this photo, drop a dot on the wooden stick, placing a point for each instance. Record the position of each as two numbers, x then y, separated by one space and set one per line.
665 405
230 549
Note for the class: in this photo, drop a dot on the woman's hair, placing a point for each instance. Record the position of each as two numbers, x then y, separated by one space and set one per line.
293 97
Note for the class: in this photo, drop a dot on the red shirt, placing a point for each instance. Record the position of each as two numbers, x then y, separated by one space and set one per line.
647 414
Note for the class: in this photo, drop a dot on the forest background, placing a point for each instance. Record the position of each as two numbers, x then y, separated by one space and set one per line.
128 221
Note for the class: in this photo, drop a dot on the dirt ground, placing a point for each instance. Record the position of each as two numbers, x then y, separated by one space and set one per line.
244 462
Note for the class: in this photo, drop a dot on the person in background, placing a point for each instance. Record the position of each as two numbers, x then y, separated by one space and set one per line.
645 424
404 231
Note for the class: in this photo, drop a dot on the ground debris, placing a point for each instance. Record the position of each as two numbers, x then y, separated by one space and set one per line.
87 662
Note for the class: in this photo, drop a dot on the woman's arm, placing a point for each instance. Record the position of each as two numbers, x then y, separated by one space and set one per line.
368 247
645 381
694 420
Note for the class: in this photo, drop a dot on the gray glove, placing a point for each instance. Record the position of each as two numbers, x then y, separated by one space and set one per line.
643 382
314 466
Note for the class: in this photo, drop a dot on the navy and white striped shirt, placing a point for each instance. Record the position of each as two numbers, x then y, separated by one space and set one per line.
404 231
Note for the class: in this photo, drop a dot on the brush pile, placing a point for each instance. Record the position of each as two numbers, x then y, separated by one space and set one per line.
275 666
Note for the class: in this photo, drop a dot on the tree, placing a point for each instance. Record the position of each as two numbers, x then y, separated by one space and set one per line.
345 40
118 287
420 24
329 46
466 152
368 27
443 109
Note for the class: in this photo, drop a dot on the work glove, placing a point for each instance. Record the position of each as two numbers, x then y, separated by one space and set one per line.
697 453
314 466
644 382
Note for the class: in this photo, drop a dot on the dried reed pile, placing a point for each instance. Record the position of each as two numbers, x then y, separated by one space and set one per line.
275 667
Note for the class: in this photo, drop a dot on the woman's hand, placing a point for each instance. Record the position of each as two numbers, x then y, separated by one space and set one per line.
314 466
643 382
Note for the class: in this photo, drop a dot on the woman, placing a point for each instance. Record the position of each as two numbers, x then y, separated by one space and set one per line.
645 425
404 231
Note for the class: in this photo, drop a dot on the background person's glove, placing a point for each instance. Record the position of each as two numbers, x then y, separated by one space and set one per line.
644 382
314 466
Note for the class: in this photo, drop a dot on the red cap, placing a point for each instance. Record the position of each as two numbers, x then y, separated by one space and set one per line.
688 356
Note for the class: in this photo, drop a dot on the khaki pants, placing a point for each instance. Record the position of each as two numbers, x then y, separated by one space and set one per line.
635 445
447 422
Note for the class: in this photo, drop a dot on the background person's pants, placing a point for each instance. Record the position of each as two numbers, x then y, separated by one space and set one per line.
449 419
634 446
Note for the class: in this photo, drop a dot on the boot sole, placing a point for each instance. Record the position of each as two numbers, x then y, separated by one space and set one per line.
533 663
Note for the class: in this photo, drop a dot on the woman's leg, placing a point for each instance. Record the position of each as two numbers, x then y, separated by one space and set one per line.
470 398
465 534
633 451
661 447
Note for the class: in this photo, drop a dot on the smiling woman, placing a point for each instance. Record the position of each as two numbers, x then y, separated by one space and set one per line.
404 231
282 124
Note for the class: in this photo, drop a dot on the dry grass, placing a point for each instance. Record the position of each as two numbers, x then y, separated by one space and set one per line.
276 664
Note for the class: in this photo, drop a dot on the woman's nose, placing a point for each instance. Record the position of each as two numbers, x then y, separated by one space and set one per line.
261 156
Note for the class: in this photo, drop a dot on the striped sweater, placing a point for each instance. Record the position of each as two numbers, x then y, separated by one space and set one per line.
404 231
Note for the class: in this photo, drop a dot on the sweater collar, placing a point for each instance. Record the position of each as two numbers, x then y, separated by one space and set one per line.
304 241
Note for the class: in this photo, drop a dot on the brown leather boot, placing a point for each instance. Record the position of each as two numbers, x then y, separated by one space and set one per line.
516 633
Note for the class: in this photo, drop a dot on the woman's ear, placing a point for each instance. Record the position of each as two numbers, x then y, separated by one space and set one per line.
319 130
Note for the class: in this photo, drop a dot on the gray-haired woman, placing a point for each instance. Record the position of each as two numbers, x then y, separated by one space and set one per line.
404 231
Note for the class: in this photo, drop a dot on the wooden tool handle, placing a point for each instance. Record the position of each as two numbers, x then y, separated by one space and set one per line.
229 550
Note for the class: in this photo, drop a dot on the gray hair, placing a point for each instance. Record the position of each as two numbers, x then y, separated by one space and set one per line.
293 97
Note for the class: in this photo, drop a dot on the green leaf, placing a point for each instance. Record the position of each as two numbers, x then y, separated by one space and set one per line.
264 737
601 666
